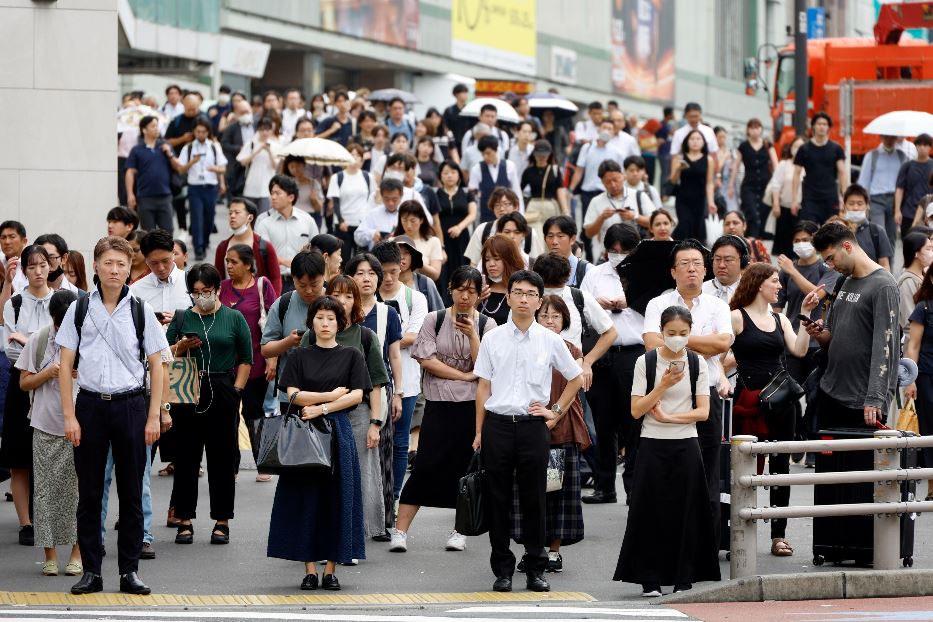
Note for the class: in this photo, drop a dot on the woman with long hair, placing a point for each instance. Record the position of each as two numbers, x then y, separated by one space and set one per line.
661 225
780 192
75 270
138 267
761 337
759 158
441 135
425 154
412 222
501 258
693 171
457 213
918 255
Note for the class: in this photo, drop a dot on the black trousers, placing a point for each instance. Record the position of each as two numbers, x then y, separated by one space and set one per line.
254 394
781 427
117 424
521 448
710 437
925 414
610 399
832 413
349 245
216 431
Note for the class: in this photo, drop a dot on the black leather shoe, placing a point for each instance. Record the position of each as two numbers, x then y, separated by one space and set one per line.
131 584
502 584
600 497
330 582
309 582
88 584
383 537
537 583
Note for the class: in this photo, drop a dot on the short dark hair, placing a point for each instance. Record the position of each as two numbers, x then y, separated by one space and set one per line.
388 252
401 158
693 107
206 273
690 244
206 124
595 105
156 240
326 243
553 268
396 99
397 135
286 184
354 264
624 234
146 120
805 225
667 110
555 303
487 142
245 253
172 87
180 244
565 223
390 185
55 240
855 190
14 225
327 303
735 242
124 215
676 312
463 275
59 303
832 234
487 108
635 160
821 115
29 251
514 217
529 277
608 166
460 88
308 263
265 123
367 114
923 139
251 208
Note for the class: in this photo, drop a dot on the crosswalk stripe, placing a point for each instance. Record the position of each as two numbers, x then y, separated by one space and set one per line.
651 613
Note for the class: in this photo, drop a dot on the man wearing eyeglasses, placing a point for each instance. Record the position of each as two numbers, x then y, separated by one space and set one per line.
730 256
514 418
710 336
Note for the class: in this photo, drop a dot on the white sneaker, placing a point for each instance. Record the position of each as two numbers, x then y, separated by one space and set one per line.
399 543
456 541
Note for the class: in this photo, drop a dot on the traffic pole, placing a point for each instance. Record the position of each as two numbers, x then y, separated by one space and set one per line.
801 79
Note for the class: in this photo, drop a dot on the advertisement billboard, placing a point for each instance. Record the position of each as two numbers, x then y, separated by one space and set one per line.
388 21
643 49
496 33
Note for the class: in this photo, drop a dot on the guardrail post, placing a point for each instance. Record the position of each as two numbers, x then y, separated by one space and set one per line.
887 527
743 538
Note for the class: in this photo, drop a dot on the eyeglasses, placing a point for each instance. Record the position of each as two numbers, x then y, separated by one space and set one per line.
528 295
725 260
55 257
684 263
204 295
550 317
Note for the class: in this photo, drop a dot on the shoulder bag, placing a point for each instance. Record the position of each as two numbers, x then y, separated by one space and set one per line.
470 519
540 209
782 390
289 442
184 380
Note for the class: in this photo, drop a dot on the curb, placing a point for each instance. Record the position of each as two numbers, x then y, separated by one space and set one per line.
816 586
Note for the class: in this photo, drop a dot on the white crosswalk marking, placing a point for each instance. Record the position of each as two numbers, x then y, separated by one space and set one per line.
647 613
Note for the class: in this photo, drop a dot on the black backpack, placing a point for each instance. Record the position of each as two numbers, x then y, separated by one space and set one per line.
439 321
138 311
693 363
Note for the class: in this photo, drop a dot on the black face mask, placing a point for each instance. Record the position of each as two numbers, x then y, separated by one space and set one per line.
56 273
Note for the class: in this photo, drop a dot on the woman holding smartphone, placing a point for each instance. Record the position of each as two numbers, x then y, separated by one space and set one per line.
761 336
669 535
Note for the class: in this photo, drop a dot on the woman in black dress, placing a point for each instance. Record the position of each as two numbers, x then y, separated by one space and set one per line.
693 170
320 515
760 159
501 257
458 211
445 446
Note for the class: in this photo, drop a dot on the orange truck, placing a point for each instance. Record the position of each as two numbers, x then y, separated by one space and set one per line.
887 73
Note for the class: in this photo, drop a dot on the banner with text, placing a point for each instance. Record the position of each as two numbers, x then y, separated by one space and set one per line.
643 49
388 21
497 33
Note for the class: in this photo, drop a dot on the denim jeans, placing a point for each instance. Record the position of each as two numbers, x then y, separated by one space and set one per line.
201 201
400 443
147 498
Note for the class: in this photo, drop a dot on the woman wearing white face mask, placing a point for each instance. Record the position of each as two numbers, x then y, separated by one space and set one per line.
871 237
669 535
918 255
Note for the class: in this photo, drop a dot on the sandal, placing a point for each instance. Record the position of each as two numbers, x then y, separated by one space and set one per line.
221 534
171 522
263 477
781 547
185 534
168 470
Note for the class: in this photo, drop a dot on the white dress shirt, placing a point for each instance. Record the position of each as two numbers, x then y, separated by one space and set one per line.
626 144
590 157
650 201
287 235
168 295
681 133
603 281
518 366
714 288
290 120
519 158
596 316
476 176
109 350
377 219
33 315
412 319
585 130
711 316
211 155
470 141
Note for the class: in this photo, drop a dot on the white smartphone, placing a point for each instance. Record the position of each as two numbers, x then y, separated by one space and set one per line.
677 366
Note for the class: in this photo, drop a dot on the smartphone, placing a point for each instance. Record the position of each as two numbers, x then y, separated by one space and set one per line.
160 316
677 366
302 331
462 317
803 318
191 336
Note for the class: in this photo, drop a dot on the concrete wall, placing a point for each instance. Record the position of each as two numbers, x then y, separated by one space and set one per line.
58 85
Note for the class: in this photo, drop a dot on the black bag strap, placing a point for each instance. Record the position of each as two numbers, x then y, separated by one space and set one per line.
578 302
581 271
693 366
366 338
283 307
81 308
138 310
17 302
441 314
264 251
651 370
487 230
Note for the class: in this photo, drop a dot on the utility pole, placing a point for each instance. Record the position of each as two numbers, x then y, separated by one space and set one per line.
801 80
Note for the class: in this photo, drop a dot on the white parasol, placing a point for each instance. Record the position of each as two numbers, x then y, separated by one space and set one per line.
901 123
316 151
504 111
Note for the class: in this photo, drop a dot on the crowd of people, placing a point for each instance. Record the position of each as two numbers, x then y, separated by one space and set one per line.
437 298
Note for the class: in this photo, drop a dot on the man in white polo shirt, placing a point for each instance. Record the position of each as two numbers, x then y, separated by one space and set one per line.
287 229
693 113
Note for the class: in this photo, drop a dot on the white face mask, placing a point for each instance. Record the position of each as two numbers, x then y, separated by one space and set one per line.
241 230
605 136
245 119
205 304
675 343
494 279
399 175
616 258
926 258
804 250
223 100
856 217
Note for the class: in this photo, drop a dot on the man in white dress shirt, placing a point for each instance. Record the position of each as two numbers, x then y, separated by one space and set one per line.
288 229
514 418
710 336
292 112
610 397
623 141
730 257
693 114
585 131
380 221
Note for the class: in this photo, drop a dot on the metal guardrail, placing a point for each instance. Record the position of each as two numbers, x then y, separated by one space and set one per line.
886 476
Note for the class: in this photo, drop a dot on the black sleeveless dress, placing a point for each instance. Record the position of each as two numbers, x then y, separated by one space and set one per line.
691 200
757 353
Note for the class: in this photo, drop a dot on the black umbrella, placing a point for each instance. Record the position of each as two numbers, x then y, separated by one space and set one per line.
646 273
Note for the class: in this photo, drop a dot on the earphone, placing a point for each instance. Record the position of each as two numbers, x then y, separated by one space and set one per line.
744 253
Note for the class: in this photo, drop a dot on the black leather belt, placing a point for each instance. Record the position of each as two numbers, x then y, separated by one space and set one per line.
514 418
112 397
630 348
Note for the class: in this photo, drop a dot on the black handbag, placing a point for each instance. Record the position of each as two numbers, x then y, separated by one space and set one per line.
471 515
288 442
782 390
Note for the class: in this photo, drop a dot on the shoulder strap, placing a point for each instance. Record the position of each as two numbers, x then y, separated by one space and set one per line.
408 296
17 302
138 310
487 230
366 337
439 321
44 333
340 180
80 313
528 241
651 369
283 307
693 362
581 271
482 325
366 177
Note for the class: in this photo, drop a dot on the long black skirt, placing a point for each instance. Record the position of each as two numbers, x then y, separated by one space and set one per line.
669 535
16 447
444 451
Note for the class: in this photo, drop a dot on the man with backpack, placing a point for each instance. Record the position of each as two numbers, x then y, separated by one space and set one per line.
242 216
560 232
879 175
178 134
118 339
504 201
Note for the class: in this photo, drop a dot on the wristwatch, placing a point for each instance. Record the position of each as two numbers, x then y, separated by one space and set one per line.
556 409
324 408
167 406
376 422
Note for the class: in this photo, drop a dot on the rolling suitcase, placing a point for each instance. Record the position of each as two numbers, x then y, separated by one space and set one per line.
851 538
725 467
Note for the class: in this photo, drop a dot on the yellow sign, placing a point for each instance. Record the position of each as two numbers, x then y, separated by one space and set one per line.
498 33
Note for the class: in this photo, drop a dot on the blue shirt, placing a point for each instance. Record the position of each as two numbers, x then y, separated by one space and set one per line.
393 333
591 156
404 127
153 170
342 135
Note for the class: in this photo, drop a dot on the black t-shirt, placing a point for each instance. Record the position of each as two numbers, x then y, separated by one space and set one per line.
914 178
320 369
533 178
820 164
180 126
